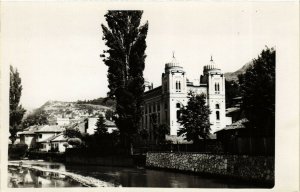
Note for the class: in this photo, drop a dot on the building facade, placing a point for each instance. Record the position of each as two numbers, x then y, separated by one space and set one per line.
162 103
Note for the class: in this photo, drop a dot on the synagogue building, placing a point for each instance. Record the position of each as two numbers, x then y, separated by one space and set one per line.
164 101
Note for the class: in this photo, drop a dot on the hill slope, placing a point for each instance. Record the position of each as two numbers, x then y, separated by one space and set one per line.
233 76
72 110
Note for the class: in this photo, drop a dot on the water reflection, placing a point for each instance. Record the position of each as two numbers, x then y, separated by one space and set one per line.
134 177
118 176
24 177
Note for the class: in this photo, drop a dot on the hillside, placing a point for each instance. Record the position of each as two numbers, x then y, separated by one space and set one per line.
233 76
71 110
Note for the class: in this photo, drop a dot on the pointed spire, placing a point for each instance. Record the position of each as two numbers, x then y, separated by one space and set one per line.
173 54
211 59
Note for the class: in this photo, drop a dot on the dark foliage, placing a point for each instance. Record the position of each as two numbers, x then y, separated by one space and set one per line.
16 111
109 114
17 151
100 101
195 119
258 92
39 117
107 144
125 58
232 90
101 129
75 142
72 133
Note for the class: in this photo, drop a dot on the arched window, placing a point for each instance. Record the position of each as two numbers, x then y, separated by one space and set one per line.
217 115
177 105
217 106
178 86
178 114
217 88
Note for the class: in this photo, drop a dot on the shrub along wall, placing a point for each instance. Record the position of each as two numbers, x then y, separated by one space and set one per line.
255 168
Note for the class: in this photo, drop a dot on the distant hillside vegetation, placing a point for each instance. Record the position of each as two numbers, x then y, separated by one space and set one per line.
100 101
233 76
73 110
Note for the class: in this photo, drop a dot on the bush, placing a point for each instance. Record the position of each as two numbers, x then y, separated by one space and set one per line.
74 141
17 151
65 145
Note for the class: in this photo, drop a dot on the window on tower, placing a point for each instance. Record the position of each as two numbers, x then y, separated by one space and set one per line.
177 105
178 86
218 115
217 106
178 114
217 88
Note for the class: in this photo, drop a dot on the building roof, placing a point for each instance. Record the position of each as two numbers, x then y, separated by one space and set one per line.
29 130
47 139
50 129
232 109
237 98
58 138
153 92
109 123
236 125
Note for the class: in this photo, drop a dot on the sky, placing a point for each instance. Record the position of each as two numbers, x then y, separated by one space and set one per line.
56 45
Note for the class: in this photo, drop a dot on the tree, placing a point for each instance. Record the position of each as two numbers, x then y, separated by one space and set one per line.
195 119
125 58
74 142
162 130
16 111
258 92
72 133
109 114
232 90
39 117
101 128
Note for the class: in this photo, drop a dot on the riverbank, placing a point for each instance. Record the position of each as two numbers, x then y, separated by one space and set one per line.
119 177
257 169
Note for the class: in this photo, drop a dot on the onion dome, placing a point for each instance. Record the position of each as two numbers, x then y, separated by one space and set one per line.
211 65
172 63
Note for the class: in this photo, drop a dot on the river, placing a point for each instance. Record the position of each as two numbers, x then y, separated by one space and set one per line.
113 176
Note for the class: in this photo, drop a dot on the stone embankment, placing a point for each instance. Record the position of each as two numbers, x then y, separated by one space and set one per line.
250 168
86 181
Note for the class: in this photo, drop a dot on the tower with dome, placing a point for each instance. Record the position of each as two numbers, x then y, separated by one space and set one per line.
162 103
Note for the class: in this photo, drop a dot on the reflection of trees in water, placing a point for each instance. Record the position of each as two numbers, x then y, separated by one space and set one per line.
34 177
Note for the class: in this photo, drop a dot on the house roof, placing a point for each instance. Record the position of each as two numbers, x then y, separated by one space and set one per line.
109 123
58 138
47 140
236 125
50 129
29 130
232 109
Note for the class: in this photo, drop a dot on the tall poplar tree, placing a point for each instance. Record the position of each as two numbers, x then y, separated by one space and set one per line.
16 111
125 38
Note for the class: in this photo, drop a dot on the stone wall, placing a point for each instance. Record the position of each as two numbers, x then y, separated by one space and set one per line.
255 168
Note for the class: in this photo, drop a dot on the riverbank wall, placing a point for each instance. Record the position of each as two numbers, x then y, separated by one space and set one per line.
242 167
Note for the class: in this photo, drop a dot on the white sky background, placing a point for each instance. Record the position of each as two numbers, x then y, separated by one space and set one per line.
56 46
